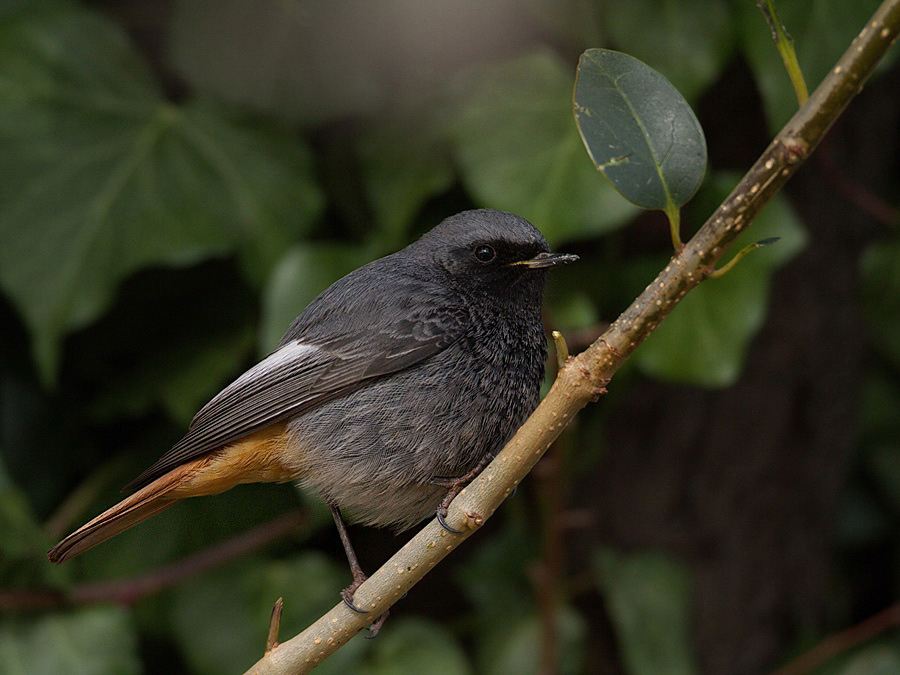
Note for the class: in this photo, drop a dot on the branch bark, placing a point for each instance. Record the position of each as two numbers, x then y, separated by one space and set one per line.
584 377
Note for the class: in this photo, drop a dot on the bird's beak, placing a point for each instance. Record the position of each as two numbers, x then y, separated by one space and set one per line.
542 260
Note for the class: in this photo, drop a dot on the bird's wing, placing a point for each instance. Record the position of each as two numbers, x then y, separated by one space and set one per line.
307 371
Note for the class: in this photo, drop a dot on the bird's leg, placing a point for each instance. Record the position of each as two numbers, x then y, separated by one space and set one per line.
454 487
358 575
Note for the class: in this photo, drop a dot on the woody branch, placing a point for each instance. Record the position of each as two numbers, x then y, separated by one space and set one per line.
584 377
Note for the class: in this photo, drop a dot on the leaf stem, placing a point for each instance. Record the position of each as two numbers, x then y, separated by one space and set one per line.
673 213
722 271
784 43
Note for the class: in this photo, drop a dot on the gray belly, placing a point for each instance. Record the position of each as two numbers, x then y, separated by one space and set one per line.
374 451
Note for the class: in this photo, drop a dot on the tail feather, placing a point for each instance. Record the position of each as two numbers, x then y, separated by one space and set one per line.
263 456
134 509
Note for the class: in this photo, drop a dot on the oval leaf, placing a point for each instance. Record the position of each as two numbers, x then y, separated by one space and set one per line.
693 40
517 149
638 130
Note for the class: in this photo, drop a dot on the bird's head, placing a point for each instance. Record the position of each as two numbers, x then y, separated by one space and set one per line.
492 252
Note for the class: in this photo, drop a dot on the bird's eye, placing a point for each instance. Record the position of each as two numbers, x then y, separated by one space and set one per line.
485 253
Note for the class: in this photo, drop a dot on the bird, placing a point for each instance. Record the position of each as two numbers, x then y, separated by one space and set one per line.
390 391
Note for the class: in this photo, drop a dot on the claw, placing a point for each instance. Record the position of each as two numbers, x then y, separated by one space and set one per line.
376 626
440 518
347 597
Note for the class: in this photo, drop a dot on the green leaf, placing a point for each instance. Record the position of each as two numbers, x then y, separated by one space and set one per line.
23 543
503 556
221 619
102 176
874 660
822 31
92 641
302 273
690 41
648 599
512 647
404 161
704 339
518 150
413 646
638 130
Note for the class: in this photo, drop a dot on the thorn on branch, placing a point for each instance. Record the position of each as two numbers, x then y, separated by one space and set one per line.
274 625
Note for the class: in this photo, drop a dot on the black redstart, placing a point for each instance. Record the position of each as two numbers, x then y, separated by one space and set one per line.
390 390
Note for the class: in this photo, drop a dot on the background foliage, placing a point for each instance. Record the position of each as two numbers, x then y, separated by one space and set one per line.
178 179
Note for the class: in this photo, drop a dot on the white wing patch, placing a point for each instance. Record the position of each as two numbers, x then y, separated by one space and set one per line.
291 353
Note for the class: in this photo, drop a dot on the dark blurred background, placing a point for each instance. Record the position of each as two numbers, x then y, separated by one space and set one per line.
179 178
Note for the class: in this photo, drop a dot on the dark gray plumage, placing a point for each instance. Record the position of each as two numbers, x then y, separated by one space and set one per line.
403 375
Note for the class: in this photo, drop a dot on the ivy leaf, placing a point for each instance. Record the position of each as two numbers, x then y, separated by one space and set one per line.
415 646
221 618
638 130
103 176
23 543
302 273
648 596
91 641
512 647
704 339
518 150
404 161
690 41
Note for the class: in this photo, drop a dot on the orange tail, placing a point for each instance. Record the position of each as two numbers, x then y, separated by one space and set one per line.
259 457
146 502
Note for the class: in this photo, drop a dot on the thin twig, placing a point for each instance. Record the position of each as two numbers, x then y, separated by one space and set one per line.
843 642
131 590
128 591
548 577
857 194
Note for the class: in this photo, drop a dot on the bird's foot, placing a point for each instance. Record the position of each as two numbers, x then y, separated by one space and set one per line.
347 593
454 487
347 597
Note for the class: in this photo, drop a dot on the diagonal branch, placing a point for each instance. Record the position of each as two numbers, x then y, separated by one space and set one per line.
584 377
